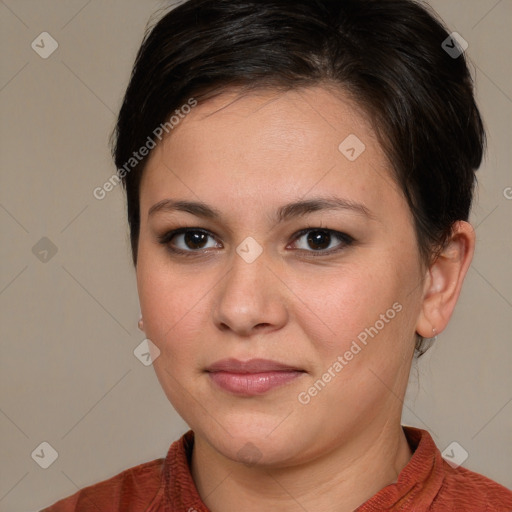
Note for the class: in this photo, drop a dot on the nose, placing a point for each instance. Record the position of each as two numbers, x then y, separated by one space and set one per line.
250 299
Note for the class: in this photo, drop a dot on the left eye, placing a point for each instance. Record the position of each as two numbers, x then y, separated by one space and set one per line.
321 240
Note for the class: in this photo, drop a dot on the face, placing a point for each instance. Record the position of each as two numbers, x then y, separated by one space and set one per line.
279 275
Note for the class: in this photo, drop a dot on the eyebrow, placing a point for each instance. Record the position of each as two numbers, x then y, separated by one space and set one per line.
284 213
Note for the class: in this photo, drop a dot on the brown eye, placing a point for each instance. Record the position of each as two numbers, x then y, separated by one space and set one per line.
195 239
188 240
321 241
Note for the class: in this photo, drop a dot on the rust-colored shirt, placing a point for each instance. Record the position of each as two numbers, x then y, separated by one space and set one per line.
427 483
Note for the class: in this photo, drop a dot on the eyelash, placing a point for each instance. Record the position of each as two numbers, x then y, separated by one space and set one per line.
344 239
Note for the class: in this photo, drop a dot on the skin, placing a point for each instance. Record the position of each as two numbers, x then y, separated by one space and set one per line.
246 156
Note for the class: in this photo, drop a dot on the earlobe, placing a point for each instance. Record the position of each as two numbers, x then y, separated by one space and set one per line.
444 280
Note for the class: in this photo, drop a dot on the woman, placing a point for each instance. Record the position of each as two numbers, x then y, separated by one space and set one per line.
299 177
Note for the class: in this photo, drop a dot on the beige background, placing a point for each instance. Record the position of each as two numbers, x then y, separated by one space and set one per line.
69 325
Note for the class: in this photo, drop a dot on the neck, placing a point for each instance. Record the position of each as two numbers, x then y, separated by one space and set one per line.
340 480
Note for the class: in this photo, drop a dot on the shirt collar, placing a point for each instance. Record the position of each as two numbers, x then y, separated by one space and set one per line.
421 478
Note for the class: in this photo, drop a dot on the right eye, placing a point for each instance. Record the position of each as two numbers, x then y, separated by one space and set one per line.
187 241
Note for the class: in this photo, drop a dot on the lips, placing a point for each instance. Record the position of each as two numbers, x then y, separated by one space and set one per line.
253 377
251 366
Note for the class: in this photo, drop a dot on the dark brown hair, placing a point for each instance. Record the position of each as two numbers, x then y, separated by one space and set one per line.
388 55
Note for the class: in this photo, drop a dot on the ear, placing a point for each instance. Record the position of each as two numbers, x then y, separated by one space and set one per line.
444 279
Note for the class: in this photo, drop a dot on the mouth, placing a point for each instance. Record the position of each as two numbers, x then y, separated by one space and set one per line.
253 377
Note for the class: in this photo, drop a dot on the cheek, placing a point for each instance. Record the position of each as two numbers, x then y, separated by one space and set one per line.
363 315
173 312
170 301
343 303
359 337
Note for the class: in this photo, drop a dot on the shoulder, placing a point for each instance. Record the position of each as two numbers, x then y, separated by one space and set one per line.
431 482
130 491
467 490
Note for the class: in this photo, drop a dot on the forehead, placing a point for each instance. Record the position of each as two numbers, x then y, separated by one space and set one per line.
273 122
268 145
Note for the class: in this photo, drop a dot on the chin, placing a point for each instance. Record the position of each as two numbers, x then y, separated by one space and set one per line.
255 450
254 440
